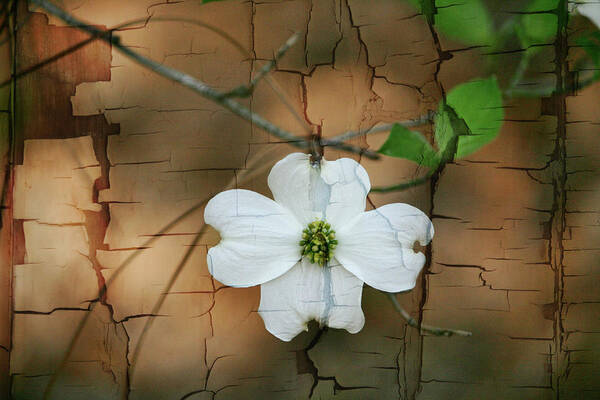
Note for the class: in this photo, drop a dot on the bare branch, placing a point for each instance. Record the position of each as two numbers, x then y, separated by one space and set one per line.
246 90
434 330
269 66
194 84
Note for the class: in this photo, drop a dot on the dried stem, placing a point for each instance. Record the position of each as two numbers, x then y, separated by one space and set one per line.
434 330
246 90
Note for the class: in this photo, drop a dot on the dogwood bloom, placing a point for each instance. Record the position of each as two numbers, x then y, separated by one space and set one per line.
313 247
588 8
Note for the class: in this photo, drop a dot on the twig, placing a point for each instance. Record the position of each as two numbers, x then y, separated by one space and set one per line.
194 84
434 330
246 90
269 66
119 27
381 128
243 51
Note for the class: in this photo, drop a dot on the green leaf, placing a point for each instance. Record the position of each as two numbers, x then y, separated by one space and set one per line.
467 21
404 143
479 104
449 127
541 25
443 129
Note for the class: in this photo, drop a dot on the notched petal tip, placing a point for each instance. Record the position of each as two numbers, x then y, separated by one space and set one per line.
259 238
348 185
329 295
345 171
378 246
284 334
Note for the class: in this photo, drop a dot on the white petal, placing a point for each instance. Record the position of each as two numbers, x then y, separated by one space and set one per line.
349 185
337 194
290 182
330 295
591 10
377 246
259 238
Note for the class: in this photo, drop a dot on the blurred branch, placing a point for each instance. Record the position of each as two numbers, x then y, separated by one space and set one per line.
434 330
194 84
247 174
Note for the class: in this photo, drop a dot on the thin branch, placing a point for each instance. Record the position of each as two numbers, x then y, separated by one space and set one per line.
243 51
50 59
269 66
434 330
246 90
425 119
195 84
121 268
122 26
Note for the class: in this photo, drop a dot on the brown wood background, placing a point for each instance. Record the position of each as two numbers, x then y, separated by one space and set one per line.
107 153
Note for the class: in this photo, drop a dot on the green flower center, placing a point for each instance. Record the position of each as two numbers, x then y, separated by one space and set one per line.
318 242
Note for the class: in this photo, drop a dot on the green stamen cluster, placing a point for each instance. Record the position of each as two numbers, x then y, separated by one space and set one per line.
318 242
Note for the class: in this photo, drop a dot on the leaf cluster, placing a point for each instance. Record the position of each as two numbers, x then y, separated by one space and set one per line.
470 117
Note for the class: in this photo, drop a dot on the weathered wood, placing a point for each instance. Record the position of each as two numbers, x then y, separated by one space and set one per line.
109 154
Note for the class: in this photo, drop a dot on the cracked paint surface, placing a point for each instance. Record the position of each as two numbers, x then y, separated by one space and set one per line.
514 259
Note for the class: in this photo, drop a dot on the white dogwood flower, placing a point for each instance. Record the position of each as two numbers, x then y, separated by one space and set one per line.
313 247
588 8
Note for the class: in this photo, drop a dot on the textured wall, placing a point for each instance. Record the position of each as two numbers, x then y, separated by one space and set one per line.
108 154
